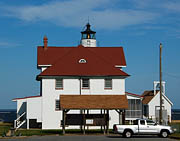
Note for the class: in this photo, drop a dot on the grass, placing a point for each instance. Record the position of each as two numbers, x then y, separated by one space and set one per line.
4 128
176 126
175 136
55 132
90 131
40 132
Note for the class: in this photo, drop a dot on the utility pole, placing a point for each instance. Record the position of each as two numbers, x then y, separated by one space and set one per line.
160 71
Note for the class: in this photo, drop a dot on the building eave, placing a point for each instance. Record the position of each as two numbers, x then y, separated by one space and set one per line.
16 99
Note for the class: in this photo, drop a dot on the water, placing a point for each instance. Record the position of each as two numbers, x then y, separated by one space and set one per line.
7 115
175 114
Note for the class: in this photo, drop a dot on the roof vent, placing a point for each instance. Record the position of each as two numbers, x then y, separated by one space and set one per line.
82 61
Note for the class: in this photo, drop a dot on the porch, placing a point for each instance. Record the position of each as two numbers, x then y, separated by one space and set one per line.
85 103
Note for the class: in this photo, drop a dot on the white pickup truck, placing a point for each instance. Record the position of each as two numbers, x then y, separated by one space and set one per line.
143 126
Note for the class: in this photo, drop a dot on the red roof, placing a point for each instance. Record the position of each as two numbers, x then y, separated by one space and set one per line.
100 61
133 94
115 55
15 99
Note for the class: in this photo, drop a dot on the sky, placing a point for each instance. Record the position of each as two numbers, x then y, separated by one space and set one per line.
137 25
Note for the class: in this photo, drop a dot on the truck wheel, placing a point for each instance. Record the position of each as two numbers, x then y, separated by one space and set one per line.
164 134
127 134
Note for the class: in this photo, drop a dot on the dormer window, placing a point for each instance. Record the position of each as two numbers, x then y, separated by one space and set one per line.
82 61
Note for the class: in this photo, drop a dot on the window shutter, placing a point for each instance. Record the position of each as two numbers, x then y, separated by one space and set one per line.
108 83
59 83
85 83
57 104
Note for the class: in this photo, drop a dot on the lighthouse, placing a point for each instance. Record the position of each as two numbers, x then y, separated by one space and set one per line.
88 38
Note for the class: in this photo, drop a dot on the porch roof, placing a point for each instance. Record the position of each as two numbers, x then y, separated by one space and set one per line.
93 102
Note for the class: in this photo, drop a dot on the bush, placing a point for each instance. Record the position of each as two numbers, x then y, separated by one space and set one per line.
176 127
4 128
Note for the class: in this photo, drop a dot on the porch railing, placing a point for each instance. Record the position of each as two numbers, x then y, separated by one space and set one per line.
20 121
133 114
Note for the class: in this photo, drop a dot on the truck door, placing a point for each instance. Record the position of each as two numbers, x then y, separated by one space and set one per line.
151 126
142 127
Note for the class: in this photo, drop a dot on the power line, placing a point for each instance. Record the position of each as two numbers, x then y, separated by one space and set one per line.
172 75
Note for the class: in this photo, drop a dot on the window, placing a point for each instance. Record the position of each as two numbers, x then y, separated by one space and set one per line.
150 122
85 83
82 61
146 110
142 122
134 108
57 104
135 122
59 83
108 84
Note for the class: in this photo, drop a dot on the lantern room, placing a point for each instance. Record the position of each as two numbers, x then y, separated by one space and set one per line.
88 38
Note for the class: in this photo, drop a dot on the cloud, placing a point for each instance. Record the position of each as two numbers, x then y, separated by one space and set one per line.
74 13
5 44
172 6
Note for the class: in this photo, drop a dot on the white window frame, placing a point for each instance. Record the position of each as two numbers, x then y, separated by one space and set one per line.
82 61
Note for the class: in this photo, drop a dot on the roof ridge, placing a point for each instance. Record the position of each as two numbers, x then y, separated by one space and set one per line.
72 49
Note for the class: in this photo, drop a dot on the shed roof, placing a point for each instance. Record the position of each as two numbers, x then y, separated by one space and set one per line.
132 94
147 96
93 102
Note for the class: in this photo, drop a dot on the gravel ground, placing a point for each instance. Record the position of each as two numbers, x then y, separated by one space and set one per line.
87 138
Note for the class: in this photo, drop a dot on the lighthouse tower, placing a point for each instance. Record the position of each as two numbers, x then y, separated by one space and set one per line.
88 38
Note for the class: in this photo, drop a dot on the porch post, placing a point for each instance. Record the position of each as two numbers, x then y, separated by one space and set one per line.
120 117
101 125
107 121
84 122
64 120
27 123
81 124
88 114
123 117
104 123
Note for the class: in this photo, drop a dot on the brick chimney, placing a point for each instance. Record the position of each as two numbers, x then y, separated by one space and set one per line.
45 40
